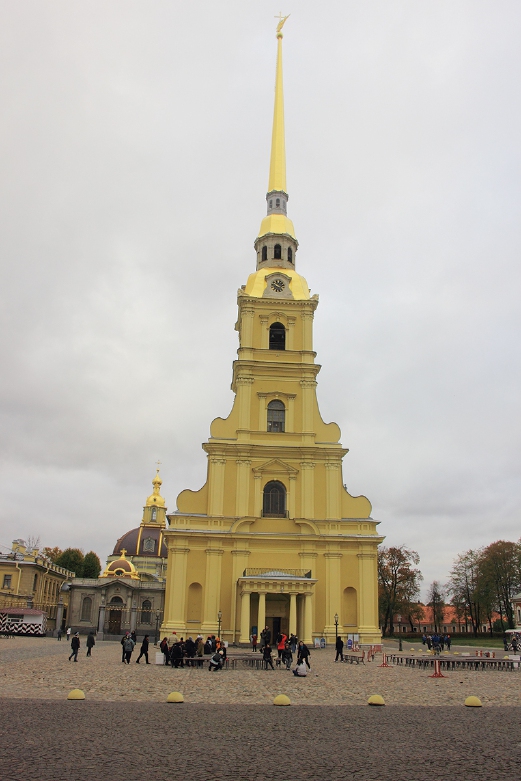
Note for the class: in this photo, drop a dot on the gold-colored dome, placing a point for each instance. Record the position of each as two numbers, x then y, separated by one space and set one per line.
155 499
122 568
256 284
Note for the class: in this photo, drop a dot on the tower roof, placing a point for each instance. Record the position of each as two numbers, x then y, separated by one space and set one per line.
155 499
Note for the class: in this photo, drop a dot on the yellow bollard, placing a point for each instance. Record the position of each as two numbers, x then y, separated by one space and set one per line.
76 694
281 699
175 697
376 699
473 702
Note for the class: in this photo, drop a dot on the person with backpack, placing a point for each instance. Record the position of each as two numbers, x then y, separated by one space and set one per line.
75 646
287 656
163 645
128 647
143 650
91 642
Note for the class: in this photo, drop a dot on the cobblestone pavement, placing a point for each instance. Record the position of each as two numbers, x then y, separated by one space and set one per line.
39 668
82 741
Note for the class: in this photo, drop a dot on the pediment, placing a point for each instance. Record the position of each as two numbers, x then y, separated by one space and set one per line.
276 466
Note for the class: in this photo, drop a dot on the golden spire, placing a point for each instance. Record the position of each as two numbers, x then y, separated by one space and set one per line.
155 499
277 180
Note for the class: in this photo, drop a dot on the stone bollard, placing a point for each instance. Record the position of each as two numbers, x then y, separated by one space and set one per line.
175 697
76 694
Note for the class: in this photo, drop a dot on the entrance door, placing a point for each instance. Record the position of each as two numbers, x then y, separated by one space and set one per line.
276 630
114 622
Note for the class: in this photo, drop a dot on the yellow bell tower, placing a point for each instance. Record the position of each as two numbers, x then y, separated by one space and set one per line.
273 538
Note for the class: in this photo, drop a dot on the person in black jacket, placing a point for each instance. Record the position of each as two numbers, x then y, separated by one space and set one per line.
91 642
339 645
303 654
143 651
75 645
266 656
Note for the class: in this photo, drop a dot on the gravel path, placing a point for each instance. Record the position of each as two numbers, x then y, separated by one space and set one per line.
60 741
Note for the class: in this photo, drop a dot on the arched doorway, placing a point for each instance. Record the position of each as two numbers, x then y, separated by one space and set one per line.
115 608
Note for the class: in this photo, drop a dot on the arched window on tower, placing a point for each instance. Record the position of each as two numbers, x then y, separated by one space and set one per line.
274 500
290 255
153 515
264 253
277 252
277 336
277 203
276 416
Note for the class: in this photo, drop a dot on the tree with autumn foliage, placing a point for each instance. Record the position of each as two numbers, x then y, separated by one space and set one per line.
398 583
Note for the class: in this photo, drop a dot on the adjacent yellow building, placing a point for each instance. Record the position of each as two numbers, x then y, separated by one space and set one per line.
273 537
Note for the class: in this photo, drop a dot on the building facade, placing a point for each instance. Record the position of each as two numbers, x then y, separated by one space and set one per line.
29 579
273 537
129 594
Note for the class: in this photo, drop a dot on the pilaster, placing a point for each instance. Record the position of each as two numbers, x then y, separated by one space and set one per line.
333 603
307 499
174 618
216 469
242 496
333 487
212 589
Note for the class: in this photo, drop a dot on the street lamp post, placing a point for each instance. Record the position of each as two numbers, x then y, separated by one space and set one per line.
219 619
336 626
158 613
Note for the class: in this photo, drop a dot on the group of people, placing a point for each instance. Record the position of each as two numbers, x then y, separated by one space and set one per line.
437 642
76 644
128 643
183 653
285 647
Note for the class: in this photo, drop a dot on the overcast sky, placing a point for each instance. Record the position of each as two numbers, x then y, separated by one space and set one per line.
135 149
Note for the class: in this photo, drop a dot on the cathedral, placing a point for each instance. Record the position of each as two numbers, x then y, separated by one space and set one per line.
273 538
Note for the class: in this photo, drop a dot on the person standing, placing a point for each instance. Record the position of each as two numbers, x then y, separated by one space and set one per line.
143 651
59 634
303 654
123 639
254 642
68 633
75 646
339 645
128 647
91 642
163 645
266 656
281 642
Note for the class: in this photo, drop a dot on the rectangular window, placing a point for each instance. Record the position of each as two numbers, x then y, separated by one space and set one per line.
7 581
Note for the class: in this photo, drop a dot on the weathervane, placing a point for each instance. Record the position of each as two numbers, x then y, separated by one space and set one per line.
280 25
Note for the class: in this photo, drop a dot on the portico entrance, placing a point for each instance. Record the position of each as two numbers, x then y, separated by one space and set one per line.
279 599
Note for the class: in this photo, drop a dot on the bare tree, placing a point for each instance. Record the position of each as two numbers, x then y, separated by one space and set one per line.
32 541
435 600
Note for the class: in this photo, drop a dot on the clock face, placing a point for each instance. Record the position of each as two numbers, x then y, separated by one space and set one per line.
278 285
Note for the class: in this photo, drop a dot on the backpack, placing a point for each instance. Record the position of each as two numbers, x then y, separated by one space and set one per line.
129 645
